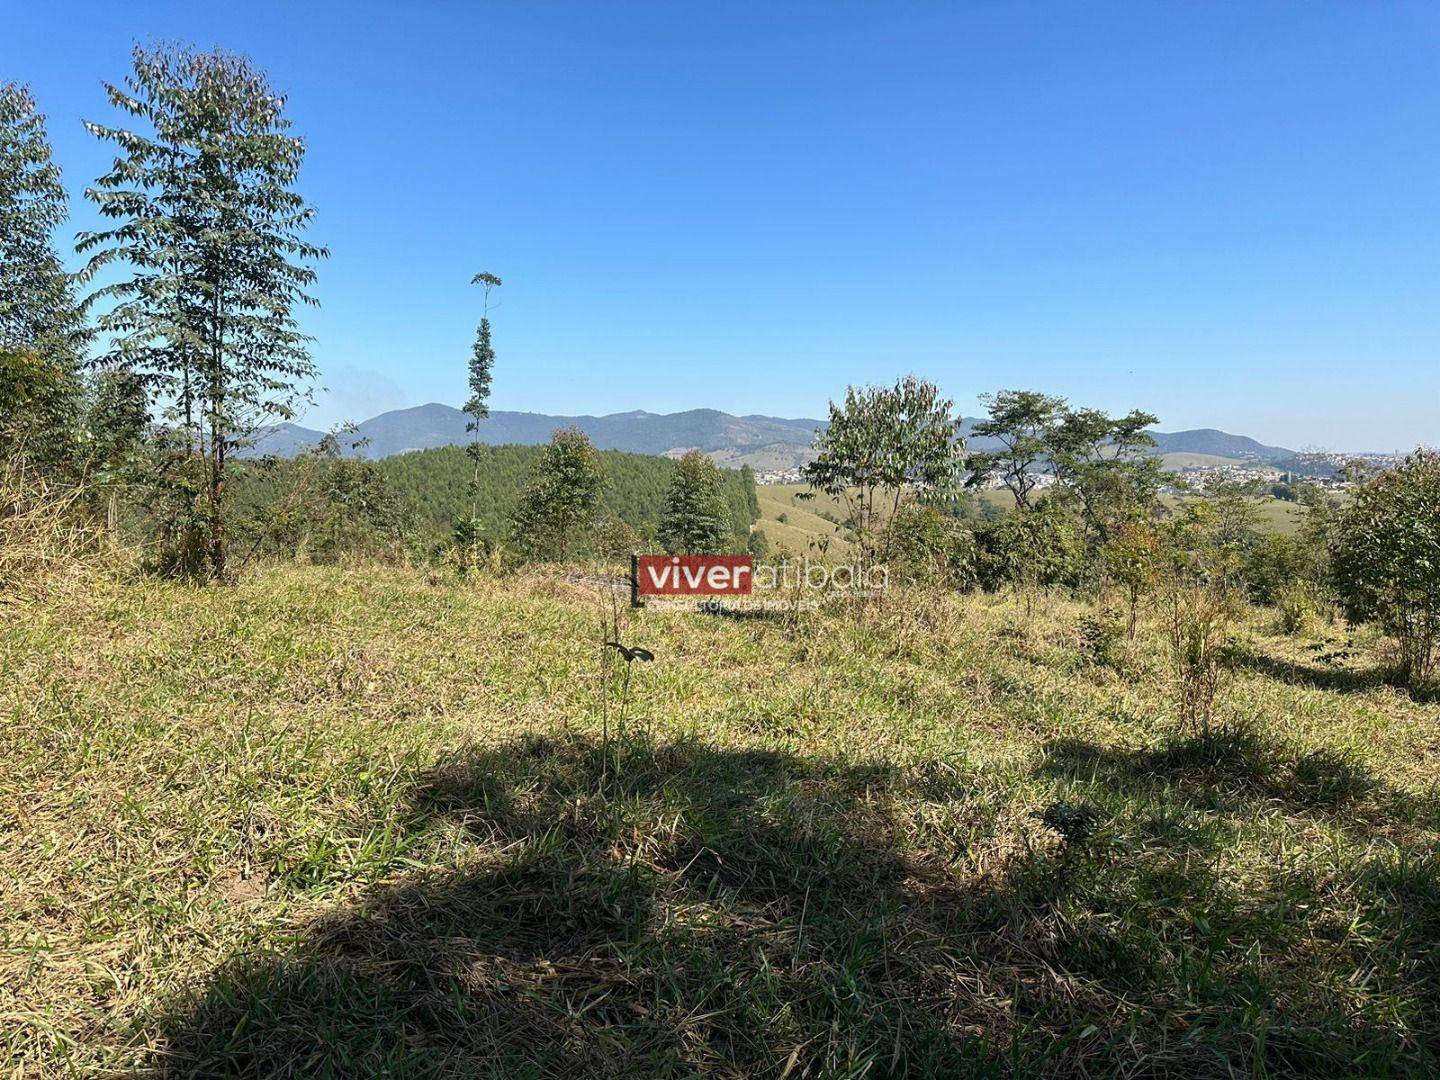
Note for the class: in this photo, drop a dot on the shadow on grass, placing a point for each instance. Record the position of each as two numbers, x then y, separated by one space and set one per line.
1320 675
1237 770
678 909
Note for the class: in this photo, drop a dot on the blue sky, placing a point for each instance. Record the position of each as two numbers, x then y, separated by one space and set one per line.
1225 213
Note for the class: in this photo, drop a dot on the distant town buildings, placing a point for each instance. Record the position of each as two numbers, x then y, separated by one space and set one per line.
779 476
1323 470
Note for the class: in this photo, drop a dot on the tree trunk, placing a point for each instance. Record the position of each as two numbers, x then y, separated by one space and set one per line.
216 457
217 519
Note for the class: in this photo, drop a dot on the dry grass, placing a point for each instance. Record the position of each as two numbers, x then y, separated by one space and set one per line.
351 822
48 547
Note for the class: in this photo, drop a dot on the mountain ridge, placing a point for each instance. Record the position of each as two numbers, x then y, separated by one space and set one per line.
763 442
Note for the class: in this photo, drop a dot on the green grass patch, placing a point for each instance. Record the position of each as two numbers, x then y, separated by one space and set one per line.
357 822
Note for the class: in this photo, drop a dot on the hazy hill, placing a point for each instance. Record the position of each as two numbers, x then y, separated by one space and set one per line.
733 440
1217 444
762 442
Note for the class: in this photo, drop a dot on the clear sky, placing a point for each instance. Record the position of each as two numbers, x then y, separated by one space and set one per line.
1226 213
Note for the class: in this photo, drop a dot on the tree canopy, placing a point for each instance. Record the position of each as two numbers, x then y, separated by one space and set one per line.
210 230
884 442
696 520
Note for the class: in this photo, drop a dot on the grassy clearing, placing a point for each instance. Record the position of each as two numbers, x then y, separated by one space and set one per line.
802 522
352 822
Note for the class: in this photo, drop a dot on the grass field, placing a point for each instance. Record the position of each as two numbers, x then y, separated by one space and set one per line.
352 822
803 521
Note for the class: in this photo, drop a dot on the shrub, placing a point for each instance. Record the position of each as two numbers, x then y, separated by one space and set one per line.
1296 605
1102 642
1198 632
929 547
1386 559
1276 562
1030 548
617 540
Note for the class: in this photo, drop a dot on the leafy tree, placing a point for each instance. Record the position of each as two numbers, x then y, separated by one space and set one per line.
1105 464
1100 462
211 231
1216 540
39 400
559 503
758 544
42 328
696 520
1133 557
38 310
1386 558
743 501
883 444
1022 422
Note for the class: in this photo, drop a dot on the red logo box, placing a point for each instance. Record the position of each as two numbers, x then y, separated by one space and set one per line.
694 575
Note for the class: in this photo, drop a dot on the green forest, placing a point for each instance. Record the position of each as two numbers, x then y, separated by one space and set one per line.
438 483
431 489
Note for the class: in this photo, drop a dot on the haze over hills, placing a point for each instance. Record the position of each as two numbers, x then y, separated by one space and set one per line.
762 442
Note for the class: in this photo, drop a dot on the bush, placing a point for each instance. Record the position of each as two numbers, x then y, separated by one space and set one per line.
324 507
1297 606
1276 562
1040 547
1199 631
926 546
617 540
1386 559
1103 642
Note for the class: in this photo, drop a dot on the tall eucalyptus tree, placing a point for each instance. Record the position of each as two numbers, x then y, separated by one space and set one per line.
207 239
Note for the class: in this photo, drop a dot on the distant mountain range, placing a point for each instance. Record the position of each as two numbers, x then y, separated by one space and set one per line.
762 442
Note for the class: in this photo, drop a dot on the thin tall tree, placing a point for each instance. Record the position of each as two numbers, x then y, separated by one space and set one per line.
210 230
482 370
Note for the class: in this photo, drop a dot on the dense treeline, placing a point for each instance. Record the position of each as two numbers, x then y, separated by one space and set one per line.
432 490
437 482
